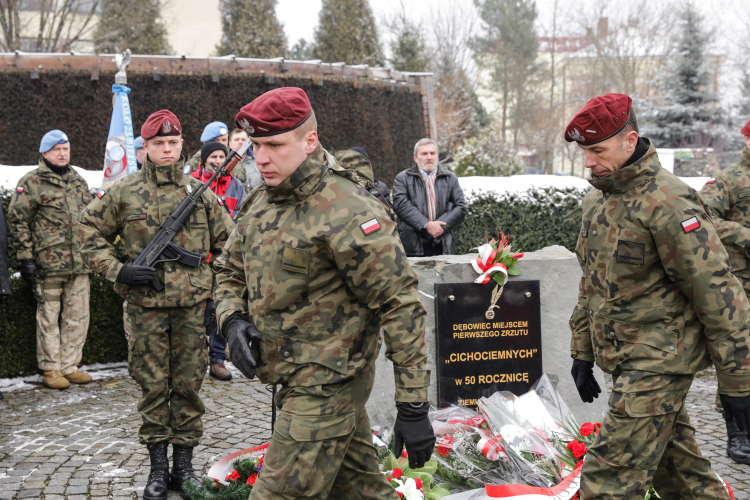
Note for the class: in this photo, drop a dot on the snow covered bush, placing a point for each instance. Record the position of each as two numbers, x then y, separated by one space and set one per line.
487 155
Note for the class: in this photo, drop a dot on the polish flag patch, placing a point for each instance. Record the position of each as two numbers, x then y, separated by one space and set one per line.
370 226
710 181
100 193
19 189
691 224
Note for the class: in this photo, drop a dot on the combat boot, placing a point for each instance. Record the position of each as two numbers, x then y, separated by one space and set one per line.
738 446
54 379
158 479
182 470
78 377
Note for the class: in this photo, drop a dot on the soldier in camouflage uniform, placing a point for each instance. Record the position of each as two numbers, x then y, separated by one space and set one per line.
312 272
42 217
728 198
168 346
657 303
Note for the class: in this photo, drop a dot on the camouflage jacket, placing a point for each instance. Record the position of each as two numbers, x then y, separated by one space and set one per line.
656 293
42 217
134 208
728 198
317 265
238 173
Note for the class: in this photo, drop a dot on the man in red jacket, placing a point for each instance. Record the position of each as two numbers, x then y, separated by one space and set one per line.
228 188
230 192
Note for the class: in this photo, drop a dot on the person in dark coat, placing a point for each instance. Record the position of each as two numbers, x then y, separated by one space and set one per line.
380 190
429 203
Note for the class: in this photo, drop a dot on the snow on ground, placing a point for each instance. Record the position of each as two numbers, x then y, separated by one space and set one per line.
473 186
10 175
98 371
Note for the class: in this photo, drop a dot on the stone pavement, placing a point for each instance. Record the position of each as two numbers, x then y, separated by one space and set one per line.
80 443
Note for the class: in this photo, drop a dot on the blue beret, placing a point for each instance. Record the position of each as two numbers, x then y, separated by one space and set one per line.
52 139
213 130
138 141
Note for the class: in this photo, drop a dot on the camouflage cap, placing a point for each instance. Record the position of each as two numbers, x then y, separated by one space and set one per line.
601 118
275 112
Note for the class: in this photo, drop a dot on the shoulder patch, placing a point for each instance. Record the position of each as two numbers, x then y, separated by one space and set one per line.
690 224
101 193
710 181
370 226
19 189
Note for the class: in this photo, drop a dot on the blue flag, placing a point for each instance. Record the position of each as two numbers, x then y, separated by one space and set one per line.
119 156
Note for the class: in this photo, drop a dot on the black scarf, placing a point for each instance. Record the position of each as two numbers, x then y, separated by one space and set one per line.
61 171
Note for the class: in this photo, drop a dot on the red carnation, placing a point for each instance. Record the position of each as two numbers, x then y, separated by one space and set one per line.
587 429
577 448
598 426
445 445
579 463
234 476
418 483
251 480
404 455
397 473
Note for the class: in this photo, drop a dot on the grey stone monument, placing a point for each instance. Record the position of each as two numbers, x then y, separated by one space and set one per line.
558 271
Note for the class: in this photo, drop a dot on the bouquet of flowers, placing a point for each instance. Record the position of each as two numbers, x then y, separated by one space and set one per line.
496 260
237 485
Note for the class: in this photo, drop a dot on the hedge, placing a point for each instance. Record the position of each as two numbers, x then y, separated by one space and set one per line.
533 220
387 123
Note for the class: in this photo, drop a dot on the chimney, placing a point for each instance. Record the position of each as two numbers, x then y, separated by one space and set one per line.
603 27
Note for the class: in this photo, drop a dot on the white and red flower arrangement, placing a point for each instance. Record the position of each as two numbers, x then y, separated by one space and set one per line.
496 260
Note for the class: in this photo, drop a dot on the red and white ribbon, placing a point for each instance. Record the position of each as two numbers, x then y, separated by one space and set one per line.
484 266
564 490
491 448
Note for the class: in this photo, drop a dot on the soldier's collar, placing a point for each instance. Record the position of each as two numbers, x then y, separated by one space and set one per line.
632 176
745 160
167 174
303 181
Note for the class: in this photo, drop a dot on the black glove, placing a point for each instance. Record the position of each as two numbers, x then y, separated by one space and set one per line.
737 408
583 375
28 273
132 275
413 429
239 334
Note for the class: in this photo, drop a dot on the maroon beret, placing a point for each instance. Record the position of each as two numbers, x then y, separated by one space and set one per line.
746 129
163 122
601 118
275 112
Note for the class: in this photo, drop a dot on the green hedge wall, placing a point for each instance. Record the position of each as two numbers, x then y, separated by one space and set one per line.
386 123
533 220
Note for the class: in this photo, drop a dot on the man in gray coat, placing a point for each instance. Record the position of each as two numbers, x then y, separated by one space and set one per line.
429 203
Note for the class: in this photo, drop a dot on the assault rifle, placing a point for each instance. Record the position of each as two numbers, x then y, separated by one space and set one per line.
161 249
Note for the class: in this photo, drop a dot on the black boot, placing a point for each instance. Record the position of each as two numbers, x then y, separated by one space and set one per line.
156 489
182 470
738 446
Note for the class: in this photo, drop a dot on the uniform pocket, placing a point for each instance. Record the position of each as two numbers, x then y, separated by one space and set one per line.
306 453
327 354
627 442
656 336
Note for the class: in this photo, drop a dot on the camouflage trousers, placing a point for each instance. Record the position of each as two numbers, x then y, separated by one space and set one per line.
322 446
62 321
168 357
646 438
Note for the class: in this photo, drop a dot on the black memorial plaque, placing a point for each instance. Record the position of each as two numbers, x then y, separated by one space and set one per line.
477 356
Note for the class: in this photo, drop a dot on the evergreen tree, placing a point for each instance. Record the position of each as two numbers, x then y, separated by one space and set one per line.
346 32
250 29
508 47
302 51
685 114
408 48
133 25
